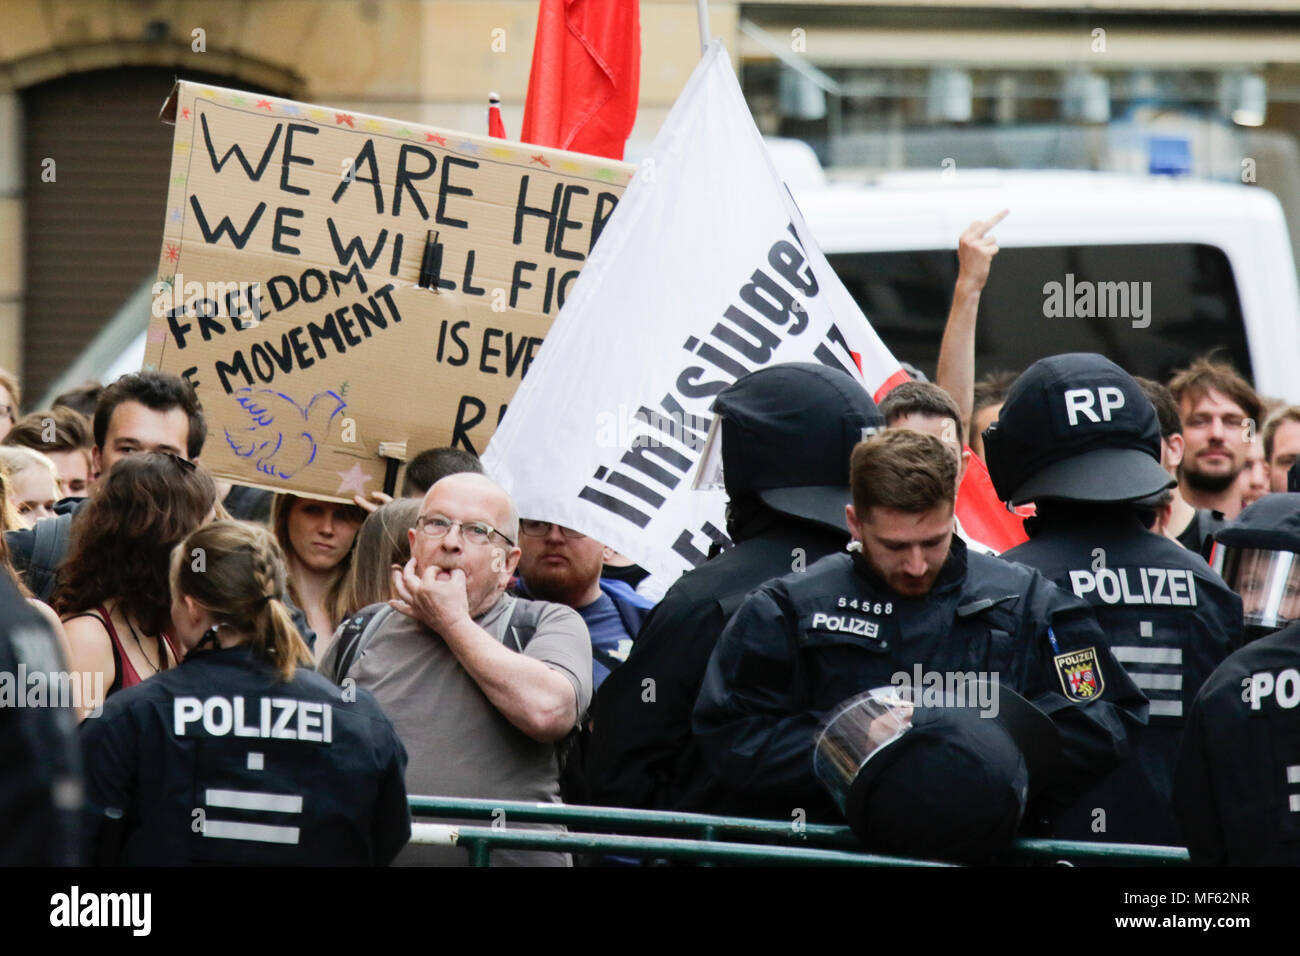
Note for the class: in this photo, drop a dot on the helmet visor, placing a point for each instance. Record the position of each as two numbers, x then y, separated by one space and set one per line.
855 732
708 476
1267 581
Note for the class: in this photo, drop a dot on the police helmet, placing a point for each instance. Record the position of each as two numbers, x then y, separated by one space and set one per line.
785 433
936 778
1258 555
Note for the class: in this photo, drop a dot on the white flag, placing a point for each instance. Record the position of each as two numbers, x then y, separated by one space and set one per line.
705 272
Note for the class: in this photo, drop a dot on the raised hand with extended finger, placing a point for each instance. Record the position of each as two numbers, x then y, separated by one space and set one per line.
976 249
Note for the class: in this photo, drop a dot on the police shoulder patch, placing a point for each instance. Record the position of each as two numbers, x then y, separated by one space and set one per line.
1080 674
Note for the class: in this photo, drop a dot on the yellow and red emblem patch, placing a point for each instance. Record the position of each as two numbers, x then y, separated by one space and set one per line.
1080 674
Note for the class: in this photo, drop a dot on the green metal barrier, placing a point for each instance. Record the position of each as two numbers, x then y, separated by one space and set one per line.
1100 852
480 841
621 820
716 838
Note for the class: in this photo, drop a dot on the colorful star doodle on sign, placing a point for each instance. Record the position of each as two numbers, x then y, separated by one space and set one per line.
175 215
540 160
290 109
185 112
238 100
157 336
354 479
173 252
465 146
340 118
435 138
264 104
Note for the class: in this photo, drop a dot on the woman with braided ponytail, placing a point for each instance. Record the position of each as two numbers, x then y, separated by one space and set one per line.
291 769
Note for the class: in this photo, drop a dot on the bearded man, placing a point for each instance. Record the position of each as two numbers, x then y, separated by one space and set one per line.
562 565
1221 415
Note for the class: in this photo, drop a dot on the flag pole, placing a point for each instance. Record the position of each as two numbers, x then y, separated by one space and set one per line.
702 8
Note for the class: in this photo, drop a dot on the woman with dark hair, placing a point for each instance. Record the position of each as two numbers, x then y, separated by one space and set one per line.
294 771
112 591
316 537
383 543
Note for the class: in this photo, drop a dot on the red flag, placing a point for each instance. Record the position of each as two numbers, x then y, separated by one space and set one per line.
496 128
582 91
982 516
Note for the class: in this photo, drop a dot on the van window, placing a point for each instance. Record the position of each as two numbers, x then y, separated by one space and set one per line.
1176 301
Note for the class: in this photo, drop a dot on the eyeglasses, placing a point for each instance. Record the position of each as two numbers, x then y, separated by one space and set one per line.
540 529
475 532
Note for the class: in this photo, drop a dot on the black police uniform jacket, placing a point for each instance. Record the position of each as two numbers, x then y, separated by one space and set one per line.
1237 790
217 761
40 765
641 753
1170 621
805 643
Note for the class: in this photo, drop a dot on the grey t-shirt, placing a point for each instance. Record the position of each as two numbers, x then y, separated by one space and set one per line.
457 742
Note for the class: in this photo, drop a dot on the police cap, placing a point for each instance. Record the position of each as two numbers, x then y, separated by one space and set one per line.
1075 427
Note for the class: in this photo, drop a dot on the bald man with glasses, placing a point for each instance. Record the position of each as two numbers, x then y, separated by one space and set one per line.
481 685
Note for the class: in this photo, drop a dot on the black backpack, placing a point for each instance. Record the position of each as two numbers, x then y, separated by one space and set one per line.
49 549
357 631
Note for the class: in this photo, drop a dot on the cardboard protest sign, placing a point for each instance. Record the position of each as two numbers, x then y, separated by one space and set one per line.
296 245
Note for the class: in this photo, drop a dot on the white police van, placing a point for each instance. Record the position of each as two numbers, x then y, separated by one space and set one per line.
1149 271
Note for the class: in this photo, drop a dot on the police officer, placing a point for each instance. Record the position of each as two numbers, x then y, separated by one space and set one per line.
910 607
1237 792
1078 437
239 755
40 768
783 436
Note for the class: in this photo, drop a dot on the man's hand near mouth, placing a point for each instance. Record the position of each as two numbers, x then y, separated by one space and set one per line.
437 598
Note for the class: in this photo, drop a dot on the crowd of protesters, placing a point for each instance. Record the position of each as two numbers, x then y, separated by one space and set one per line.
334 656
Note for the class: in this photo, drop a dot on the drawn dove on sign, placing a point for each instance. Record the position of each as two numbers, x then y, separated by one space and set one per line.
281 435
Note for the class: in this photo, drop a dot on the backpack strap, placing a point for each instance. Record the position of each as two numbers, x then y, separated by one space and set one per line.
524 618
356 633
48 550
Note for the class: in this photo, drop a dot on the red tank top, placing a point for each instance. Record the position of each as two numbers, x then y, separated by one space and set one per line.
125 675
